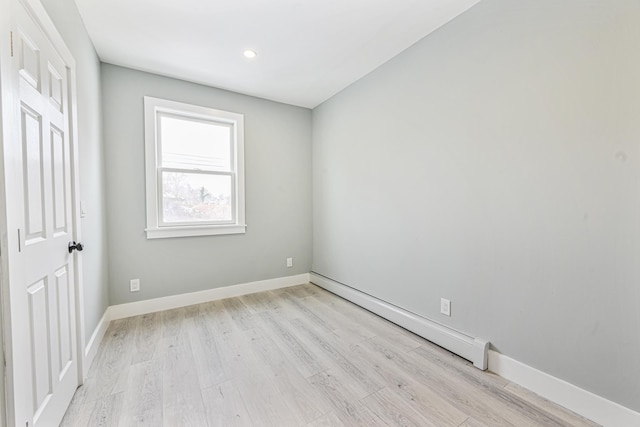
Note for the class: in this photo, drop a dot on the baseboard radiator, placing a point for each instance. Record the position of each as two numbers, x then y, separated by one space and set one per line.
473 349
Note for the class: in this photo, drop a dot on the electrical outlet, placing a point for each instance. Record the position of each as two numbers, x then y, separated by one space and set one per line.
135 285
289 262
445 307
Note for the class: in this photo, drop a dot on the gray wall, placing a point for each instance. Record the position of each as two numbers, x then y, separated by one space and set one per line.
66 17
496 163
278 200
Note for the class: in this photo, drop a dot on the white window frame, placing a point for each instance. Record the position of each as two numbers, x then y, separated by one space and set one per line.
156 229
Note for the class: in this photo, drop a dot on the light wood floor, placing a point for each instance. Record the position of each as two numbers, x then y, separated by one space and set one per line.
293 357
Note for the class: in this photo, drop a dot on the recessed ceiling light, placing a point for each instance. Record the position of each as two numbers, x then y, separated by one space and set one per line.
248 53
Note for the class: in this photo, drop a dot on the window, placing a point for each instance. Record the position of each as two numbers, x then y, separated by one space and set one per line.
194 170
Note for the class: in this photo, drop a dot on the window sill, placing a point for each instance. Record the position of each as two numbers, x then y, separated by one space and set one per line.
193 231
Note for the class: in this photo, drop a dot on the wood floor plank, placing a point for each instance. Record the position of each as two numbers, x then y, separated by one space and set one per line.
206 353
265 404
225 407
297 356
347 408
110 370
293 387
482 379
327 359
143 399
219 319
459 397
148 335
206 307
239 313
479 394
339 321
191 311
256 384
471 422
286 310
276 305
558 411
181 394
307 312
458 365
115 343
77 414
303 361
263 301
237 356
258 302
375 324
327 420
394 410
428 401
302 291
106 411
367 383
172 321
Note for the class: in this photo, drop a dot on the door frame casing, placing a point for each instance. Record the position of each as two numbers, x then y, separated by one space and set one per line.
8 233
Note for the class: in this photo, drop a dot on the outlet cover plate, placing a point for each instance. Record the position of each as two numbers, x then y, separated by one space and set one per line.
445 307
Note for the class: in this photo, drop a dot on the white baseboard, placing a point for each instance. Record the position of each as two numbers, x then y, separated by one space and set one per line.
580 401
121 311
470 348
91 349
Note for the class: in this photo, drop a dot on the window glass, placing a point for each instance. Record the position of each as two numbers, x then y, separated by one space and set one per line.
193 143
192 197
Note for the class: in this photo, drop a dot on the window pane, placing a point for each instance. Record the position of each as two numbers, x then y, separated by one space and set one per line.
192 197
189 143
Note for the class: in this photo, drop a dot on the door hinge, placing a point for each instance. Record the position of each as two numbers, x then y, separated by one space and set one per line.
11 38
19 242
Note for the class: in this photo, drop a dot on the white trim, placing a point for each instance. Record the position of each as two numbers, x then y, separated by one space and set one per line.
194 230
91 350
6 402
156 228
77 226
182 300
470 348
580 401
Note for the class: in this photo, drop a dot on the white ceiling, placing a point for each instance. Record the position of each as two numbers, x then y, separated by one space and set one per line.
308 50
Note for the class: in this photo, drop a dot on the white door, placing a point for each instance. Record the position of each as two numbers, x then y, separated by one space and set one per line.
43 368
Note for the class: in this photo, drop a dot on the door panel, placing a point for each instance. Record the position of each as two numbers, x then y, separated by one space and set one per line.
29 68
39 340
33 171
55 88
59 188
63 310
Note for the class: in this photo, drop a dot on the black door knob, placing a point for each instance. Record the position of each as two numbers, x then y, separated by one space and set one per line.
77 246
